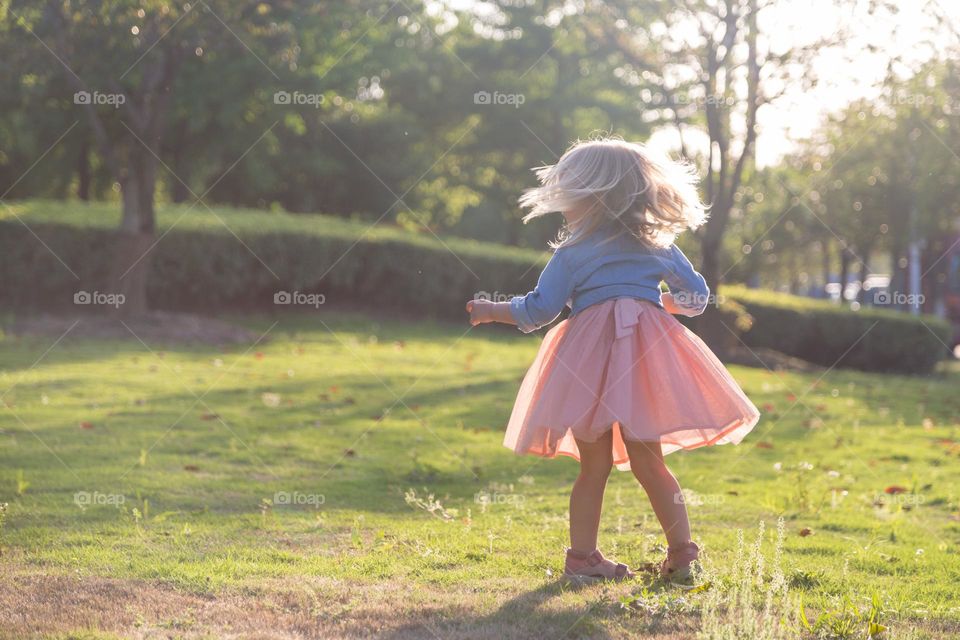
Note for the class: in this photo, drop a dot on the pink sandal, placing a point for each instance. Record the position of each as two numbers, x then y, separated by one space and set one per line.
676 567
593 567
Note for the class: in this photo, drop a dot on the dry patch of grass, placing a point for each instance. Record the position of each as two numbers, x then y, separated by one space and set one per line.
38 605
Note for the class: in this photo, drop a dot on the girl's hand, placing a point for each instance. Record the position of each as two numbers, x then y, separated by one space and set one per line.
481 311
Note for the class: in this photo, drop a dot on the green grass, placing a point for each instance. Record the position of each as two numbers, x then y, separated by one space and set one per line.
386 432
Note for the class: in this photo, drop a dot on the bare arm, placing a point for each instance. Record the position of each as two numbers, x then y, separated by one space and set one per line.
666 299
482 311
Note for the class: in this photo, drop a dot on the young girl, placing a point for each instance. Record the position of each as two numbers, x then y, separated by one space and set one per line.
620 381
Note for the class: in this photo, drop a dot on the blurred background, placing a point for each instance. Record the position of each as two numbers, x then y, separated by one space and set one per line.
210 156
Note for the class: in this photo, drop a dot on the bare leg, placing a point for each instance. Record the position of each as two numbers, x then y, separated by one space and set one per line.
646 462
586 498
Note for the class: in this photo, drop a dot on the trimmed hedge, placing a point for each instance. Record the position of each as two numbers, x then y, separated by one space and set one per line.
827 334
199 264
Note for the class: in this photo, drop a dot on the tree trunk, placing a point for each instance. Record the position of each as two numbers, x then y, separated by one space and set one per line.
708 325
845 260
179 193
136 235
825 249
83 172
864 273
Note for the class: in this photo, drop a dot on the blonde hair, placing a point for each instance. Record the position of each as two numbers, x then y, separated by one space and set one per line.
622 185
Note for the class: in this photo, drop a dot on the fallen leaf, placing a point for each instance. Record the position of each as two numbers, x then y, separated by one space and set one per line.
209 416
349 453
86 425
764 445
271 399
191 467
806 531
894 490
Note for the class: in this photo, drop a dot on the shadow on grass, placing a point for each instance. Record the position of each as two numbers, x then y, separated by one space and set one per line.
526 615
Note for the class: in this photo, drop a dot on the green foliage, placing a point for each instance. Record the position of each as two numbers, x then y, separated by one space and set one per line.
827 334
200 264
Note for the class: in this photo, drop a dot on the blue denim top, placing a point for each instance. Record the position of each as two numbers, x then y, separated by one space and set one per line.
603 267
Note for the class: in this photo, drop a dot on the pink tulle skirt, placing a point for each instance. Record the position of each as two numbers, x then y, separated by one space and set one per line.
630 366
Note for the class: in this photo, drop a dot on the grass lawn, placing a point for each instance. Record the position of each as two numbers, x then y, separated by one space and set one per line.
344 477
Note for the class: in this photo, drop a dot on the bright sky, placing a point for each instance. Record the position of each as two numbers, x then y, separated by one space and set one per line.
852 71
846 73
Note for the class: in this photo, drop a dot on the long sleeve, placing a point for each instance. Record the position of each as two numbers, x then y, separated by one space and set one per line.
542 305
690 291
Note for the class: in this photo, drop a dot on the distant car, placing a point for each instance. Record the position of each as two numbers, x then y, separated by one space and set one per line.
952 296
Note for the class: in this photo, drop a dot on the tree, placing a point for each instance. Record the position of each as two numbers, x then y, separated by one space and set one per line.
707 68
126 95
